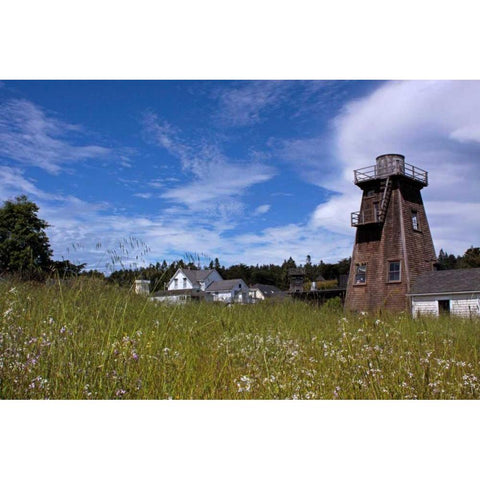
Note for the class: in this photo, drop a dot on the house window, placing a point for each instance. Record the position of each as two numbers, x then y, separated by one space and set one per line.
394 273
184 283
376 212
415 220
175 283
360 273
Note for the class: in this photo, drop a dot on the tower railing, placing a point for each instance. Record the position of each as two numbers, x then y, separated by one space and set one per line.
373 172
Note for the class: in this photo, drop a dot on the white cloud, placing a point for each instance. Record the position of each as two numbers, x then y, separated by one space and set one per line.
275 244
261 210
143 195
30 137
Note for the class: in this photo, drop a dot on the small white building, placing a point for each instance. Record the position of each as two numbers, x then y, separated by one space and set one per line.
229 291
260 292
142 287
455 292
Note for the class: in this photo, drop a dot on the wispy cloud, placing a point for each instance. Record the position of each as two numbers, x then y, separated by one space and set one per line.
246 103
217 181
143 195
31 137
311 158
13 183
261 209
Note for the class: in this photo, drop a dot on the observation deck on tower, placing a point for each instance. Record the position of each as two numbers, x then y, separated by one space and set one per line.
389 165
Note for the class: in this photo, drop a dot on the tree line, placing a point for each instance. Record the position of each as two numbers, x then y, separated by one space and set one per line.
470 259
271 274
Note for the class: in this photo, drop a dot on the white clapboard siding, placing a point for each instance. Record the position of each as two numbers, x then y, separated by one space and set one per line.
464 305
424 306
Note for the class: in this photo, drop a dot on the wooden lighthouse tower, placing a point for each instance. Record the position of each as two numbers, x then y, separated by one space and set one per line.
393 244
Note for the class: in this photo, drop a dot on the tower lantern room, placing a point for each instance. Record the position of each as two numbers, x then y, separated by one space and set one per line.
393 244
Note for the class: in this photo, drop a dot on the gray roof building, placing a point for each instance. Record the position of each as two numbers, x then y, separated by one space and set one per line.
447 281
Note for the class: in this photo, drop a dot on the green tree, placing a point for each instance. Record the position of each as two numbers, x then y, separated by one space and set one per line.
24 245
446 261
471 258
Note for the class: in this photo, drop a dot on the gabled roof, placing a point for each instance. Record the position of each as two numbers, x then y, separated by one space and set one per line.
196 275
267 290
224 285
447 281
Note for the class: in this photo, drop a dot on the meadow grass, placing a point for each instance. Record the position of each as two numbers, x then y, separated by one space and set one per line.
88 340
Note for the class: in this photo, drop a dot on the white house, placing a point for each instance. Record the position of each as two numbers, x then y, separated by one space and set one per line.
207 285
229 291
455 292
186 279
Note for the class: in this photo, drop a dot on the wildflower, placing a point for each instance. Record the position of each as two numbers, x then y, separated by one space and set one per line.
135 356
120 392
336 391
63 329
51 320
244 384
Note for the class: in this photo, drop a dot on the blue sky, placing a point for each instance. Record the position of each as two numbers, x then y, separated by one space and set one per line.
246 171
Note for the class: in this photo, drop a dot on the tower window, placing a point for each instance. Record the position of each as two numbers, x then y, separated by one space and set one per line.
360 273
415 220
394 273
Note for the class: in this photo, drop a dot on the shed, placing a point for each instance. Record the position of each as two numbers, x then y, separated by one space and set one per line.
455 292
261 291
